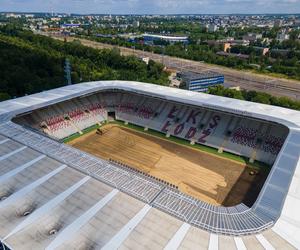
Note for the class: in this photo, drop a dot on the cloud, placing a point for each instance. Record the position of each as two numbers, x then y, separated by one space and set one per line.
154 6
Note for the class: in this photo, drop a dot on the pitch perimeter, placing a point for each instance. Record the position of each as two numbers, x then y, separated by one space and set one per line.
204 176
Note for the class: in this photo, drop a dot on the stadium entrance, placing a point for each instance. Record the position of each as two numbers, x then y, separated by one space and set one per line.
111 116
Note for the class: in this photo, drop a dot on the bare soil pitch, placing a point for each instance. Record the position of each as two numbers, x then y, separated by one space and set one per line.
204 176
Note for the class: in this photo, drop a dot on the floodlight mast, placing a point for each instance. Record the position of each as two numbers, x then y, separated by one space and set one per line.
68 72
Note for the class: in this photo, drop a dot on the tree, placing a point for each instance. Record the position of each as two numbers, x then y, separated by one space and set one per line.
4 96
31 63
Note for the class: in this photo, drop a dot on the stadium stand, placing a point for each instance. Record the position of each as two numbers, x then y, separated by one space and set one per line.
43 182
242 136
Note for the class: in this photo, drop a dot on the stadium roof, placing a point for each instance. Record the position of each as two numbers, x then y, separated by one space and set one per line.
59 197
170 38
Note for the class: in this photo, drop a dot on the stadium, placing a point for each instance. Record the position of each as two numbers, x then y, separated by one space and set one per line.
130 165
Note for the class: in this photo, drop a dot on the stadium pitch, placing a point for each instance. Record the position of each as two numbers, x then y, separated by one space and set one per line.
205 176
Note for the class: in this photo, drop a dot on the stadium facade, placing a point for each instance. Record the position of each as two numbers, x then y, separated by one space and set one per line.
150 38
54 196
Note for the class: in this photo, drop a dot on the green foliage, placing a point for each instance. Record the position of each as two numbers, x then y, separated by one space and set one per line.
4 96
32 63
254 96
221 91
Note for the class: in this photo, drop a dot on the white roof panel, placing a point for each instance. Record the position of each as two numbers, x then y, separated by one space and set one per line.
279 198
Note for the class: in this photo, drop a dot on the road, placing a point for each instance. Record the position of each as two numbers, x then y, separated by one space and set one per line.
244 79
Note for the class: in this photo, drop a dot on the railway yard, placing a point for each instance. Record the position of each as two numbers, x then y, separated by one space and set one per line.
244 79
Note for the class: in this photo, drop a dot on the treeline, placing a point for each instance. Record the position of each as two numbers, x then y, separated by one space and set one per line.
32 63
254 96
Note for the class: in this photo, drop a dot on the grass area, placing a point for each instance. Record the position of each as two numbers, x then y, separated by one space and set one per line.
204 148
257 72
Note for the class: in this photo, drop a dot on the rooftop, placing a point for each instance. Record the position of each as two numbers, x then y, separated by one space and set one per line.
43 177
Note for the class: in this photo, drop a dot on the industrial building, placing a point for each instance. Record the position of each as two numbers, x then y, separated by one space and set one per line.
200 82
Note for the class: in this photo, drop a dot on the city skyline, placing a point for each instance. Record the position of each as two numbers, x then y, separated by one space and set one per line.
154 7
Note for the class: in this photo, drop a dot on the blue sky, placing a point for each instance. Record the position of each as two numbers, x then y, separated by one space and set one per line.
153 6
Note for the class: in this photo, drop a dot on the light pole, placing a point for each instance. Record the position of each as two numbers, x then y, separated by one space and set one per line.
68 71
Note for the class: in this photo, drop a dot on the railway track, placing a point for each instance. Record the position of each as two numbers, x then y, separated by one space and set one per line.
245 80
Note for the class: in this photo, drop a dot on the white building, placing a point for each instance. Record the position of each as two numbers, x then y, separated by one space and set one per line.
282 37
212 28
